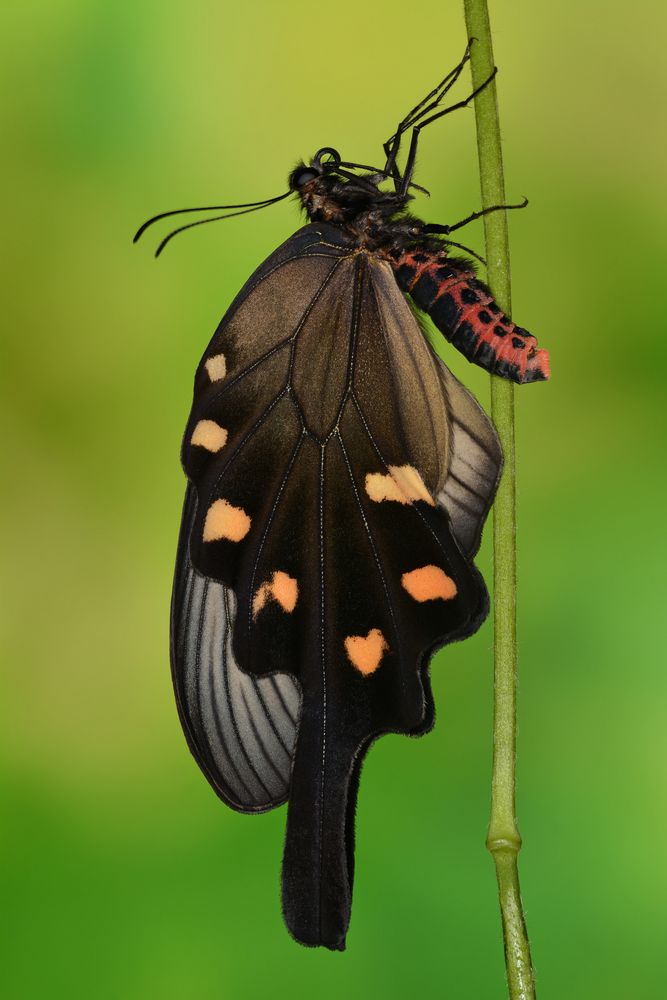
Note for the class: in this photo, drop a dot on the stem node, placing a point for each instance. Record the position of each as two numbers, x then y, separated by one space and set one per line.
511 844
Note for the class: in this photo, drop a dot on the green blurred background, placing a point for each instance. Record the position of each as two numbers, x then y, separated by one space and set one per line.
123 876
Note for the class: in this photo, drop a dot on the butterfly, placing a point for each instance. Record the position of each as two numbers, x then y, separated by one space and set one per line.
339 477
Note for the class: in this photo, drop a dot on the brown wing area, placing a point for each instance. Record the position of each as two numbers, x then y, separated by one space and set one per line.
319 448
397 381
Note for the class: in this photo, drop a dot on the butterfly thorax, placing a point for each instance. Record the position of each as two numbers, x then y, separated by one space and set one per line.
373 219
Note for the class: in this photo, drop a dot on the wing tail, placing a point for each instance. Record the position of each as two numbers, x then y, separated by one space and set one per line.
319 849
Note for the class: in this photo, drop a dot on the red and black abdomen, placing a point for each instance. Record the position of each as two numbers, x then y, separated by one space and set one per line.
464 311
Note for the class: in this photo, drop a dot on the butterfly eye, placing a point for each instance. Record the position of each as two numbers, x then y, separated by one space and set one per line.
302 176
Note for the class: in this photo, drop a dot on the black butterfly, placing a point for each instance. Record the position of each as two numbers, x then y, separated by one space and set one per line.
339 477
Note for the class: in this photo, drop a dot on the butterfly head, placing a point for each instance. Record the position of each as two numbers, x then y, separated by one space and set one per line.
330 190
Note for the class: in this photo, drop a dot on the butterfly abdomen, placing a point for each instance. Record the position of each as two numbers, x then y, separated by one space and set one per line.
464 310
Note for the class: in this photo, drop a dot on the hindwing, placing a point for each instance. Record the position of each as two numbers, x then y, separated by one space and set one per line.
241 728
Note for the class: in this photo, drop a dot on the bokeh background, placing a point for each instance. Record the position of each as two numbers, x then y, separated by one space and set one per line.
123 876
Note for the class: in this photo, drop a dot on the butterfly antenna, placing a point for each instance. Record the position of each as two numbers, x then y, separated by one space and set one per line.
251 205
216 218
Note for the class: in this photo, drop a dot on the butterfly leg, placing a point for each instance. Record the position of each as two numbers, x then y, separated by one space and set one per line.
412 154
445 230
431 101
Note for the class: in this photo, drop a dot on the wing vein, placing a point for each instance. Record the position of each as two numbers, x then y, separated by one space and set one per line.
267 713
269 522
216 718
200 631
290 260
260 741
415 364
232 714
302 322
371 438
466 486
372 544
392 372
473 468
251 368
248 435
282 701
468 508
286 340
478 441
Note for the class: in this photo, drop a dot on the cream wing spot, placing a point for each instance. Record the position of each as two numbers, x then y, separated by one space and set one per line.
402 484
225 521
282 588
429 583
216 367
365 652
207 434
380 487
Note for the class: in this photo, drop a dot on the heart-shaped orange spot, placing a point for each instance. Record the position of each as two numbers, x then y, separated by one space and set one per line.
366 652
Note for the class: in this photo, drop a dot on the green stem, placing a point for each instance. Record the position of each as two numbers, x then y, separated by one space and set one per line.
503 839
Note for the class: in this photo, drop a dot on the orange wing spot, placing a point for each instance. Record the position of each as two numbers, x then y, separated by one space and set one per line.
366 652
403 484
225 521
207 434
216 367
282 588
429 583
285 591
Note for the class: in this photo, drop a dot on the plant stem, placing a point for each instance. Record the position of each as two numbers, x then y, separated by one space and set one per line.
503 839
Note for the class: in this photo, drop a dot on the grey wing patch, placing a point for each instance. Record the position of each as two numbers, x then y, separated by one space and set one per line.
242 729
475 463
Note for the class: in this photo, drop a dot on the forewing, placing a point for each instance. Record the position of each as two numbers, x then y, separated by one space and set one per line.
241 728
